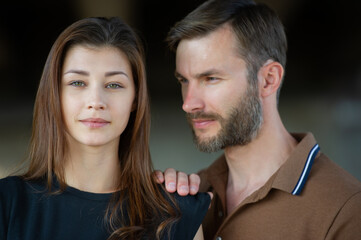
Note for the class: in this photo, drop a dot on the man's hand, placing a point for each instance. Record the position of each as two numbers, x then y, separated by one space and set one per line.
178 181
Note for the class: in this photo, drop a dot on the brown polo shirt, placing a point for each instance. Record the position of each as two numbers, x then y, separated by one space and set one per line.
309 197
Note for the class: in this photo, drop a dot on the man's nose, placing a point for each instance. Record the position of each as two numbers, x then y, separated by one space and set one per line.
192 98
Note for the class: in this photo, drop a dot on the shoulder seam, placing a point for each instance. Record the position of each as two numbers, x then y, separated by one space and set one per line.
340 209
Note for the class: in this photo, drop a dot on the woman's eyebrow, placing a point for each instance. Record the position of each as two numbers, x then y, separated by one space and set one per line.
80 72
107 74
112 73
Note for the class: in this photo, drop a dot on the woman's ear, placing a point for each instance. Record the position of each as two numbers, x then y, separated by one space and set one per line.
270 75
134 105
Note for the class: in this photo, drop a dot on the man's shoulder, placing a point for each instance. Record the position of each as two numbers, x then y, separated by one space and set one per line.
328 172
332 183
336 195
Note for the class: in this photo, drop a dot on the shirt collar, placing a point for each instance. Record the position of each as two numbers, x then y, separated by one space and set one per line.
217 176
291 177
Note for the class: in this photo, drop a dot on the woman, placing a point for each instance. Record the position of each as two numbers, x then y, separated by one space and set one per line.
90 172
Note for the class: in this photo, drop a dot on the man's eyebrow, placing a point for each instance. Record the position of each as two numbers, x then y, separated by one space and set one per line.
208 73
200 75
178 75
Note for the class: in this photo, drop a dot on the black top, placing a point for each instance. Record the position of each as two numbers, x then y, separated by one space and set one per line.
28 212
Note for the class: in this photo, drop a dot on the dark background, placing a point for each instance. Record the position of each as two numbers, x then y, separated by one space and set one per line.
321 92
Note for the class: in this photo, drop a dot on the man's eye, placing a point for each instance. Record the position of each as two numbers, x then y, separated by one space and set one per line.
113 86
212 79
77 84
182 80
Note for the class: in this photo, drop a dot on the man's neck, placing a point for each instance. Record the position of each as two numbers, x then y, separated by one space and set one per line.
251 166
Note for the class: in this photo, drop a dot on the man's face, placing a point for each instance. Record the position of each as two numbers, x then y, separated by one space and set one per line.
222 107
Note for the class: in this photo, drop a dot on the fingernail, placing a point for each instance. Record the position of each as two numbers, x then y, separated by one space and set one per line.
171 186
183 188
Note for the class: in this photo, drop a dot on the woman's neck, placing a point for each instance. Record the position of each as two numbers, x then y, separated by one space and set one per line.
92 169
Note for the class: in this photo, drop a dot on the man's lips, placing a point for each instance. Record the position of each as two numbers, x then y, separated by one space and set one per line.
202 123
94 122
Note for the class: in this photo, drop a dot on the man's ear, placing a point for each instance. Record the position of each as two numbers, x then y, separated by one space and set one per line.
270 76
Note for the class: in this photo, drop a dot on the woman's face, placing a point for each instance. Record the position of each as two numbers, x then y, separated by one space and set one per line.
97 95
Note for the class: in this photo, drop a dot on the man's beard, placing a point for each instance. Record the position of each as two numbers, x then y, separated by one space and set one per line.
239 128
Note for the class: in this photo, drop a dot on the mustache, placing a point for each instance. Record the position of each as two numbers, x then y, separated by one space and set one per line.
203 115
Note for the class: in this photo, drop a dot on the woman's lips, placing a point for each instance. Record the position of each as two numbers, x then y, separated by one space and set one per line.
94 122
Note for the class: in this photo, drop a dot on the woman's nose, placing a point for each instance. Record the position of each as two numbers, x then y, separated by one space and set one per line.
96 100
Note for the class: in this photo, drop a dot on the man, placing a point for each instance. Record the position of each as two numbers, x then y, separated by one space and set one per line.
269 184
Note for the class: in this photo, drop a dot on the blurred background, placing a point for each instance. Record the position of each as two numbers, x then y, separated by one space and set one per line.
321 92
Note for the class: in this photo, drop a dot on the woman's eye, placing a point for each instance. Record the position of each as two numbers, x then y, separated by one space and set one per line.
77 84
113 86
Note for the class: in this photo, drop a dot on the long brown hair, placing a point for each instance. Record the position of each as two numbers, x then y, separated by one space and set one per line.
143 198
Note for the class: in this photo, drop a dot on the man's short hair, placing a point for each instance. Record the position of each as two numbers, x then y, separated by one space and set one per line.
259 32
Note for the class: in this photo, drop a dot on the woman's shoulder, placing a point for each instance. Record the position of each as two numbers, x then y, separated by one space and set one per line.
12 185
193 203
11 190
11 182
193 209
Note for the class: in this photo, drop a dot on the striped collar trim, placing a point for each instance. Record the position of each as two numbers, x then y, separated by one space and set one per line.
306 170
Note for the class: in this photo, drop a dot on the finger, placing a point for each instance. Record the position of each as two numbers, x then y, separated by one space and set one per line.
182 184
170 177
194 181
158 176
211 195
